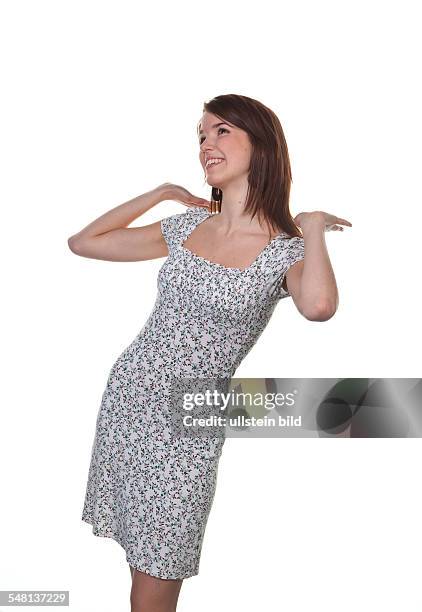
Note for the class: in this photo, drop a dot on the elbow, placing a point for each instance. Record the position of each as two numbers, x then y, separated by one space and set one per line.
73 244
322 312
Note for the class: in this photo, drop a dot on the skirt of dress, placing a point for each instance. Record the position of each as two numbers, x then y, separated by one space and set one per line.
150 492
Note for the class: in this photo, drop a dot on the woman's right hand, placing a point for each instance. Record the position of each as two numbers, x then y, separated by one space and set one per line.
182 195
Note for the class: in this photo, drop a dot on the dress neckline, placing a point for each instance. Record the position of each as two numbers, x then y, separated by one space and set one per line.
213 263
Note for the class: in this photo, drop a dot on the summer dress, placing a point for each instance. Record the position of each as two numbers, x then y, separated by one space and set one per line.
149 492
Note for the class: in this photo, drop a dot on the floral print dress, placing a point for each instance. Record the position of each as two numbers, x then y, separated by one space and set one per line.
149 492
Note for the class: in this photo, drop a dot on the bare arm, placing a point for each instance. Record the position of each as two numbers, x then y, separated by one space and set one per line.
311 282
109 238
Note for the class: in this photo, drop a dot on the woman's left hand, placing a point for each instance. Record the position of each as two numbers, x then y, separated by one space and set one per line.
329 222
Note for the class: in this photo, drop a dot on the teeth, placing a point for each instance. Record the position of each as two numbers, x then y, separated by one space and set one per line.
214 160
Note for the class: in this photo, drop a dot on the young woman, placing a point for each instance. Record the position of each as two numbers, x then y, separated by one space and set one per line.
217 289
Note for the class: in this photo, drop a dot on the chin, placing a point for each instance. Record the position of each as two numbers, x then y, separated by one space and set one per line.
216 184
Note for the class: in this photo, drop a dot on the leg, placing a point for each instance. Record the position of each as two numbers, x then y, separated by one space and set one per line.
132 569
151 594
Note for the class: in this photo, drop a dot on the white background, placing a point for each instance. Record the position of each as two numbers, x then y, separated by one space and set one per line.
100 103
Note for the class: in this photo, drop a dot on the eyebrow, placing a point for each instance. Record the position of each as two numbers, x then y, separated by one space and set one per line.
215 126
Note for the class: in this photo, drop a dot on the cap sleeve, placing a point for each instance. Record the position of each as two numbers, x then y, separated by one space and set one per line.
174 228
171 229
293 251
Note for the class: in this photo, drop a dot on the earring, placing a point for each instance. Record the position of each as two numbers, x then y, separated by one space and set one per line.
216 198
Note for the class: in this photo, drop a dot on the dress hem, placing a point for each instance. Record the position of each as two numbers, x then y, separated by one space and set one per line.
110 534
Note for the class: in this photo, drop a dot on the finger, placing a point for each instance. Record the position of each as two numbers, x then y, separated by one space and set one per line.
200 202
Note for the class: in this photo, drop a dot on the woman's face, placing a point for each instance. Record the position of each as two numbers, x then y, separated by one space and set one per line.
218 138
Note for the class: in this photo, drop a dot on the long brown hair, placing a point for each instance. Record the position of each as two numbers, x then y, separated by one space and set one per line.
270 175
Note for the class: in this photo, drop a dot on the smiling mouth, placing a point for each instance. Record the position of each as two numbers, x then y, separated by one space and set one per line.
207 168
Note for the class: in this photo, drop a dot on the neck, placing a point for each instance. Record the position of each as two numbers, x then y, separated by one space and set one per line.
233 216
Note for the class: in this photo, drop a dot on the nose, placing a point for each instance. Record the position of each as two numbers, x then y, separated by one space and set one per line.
207 149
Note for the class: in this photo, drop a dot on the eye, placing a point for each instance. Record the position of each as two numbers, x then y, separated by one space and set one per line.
201 140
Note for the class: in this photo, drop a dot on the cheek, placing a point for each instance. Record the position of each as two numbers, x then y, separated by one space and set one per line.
241 154
240 161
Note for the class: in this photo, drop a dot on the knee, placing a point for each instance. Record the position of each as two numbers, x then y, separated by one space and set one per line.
150 601
144 605
153 594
